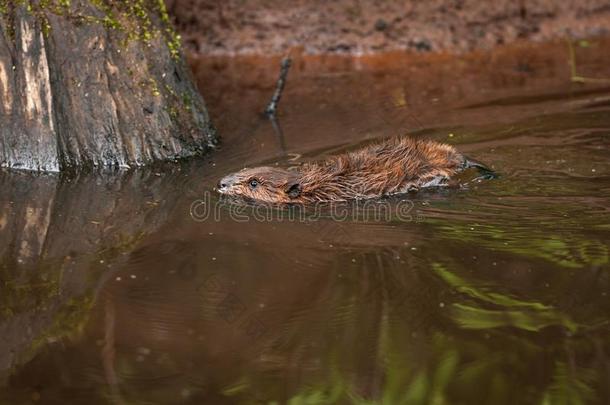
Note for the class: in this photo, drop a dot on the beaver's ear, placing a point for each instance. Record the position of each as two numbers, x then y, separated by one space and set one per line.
293 189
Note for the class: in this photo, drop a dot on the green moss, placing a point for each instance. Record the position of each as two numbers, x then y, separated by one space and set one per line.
137 20
172 38
173 113
187 101
170 91
6 9
154 87
23 291
70 319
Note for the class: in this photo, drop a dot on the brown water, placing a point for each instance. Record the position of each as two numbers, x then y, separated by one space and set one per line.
116 288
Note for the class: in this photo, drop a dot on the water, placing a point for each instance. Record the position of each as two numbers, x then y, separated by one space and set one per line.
117 288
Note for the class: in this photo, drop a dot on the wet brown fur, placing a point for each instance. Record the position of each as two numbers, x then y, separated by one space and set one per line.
393 166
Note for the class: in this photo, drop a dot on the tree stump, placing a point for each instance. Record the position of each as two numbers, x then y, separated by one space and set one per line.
93 83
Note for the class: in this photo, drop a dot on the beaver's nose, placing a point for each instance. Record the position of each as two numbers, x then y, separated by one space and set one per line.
222 186
225 183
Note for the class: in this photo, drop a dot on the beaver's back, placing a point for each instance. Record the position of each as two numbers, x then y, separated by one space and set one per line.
388 167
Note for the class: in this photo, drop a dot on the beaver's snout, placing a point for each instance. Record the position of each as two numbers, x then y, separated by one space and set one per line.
226 183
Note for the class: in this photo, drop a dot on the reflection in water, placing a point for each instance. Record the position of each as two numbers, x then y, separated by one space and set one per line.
492 294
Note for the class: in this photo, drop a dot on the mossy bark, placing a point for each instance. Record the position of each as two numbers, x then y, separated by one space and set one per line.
95 83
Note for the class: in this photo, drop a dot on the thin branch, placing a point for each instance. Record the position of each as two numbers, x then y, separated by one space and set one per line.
271 109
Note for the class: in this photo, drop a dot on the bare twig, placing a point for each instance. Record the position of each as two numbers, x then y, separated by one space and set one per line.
271 109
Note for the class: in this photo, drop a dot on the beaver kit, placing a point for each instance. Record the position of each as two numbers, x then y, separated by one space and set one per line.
393 166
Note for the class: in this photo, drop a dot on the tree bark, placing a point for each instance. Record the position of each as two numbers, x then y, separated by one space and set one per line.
95 83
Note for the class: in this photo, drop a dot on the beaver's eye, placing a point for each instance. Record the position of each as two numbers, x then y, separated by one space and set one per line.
253 183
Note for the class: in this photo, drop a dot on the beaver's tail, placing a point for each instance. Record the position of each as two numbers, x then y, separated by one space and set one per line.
485 171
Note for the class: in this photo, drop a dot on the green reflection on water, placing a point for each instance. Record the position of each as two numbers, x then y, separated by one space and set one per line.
531 316
568 251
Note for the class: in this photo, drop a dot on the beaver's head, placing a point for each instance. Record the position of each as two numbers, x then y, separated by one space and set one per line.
267 184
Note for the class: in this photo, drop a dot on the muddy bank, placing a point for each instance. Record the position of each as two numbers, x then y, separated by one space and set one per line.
353 26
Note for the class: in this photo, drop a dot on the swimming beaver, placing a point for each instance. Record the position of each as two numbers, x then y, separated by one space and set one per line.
393 166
